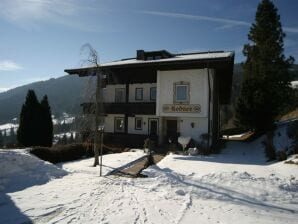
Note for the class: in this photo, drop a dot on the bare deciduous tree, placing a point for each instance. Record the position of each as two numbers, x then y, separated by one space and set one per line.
93 60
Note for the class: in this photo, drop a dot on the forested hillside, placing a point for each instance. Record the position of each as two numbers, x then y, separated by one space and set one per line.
65 94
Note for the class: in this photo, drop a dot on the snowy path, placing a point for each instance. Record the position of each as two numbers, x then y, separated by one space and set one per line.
236 186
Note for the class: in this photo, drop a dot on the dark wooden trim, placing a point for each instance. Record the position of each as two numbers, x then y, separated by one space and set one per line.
215 112
125 123
127 93
125 139
132 108
173 63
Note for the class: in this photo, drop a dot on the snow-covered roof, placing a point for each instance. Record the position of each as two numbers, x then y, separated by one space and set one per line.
176 58
182 57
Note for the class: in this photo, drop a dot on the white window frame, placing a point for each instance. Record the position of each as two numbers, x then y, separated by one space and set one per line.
184 101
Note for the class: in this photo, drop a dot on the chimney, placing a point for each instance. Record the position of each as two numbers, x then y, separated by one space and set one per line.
140 55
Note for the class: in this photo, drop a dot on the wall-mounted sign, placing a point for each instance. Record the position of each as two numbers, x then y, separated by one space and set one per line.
181 108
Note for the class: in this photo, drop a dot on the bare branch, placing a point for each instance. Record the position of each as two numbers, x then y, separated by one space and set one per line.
90 55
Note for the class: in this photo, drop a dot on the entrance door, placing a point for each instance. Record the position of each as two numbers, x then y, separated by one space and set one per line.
172 130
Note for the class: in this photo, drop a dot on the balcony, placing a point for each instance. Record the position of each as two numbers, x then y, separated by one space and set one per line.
130 109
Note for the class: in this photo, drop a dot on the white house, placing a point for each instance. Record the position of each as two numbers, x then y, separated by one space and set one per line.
163 95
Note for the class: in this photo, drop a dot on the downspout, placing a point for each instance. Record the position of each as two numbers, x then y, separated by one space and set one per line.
126 102
209 97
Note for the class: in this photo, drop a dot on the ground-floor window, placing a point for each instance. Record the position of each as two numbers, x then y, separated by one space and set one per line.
119 124
138 123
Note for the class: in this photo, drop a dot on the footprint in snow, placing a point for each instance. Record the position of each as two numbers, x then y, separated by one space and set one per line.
180 192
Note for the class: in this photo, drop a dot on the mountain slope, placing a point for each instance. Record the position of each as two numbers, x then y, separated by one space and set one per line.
65 95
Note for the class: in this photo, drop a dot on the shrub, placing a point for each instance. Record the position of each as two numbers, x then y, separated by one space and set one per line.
292 132
281 155
149 144
220 144
202 145
61 153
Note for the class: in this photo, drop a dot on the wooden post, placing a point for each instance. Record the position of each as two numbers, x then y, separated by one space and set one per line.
101 145
96 136
209 99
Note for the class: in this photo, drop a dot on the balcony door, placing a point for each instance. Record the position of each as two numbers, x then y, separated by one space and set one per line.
120 95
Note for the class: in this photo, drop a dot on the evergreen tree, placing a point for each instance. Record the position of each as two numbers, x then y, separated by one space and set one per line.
36 127
28 133
266 71
47 127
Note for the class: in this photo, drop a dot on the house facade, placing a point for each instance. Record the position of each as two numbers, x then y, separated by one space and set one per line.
163 95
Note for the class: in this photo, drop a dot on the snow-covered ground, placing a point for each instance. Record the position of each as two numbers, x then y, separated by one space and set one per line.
8 127
236 186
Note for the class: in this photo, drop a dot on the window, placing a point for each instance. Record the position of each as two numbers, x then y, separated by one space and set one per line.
119 124
181 92
138 123
153 93
139 94
120 95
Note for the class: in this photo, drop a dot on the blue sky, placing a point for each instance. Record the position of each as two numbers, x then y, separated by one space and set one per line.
40 38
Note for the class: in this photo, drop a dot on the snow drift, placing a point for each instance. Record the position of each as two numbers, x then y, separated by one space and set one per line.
19 169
